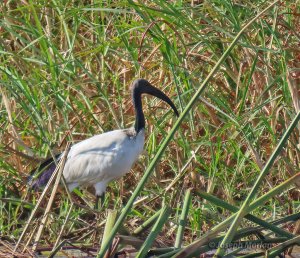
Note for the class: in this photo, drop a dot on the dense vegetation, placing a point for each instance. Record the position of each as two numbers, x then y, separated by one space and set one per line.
66 68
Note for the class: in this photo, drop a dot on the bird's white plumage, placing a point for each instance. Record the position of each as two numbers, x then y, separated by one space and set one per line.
102 158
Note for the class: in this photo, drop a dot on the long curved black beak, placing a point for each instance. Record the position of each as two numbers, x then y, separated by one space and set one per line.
141 86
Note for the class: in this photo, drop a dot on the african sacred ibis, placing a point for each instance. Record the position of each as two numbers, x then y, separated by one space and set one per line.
105 157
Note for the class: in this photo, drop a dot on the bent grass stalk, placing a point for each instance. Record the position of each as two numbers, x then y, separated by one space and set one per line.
147 224
51 199
43 195
56 174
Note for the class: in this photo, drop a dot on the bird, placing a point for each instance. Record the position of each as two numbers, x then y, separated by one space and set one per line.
105 157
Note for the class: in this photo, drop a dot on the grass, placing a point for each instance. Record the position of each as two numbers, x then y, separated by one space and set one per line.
66 68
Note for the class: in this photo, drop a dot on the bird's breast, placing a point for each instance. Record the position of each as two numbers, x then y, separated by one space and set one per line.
136 144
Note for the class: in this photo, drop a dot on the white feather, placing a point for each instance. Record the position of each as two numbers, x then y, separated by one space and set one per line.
102 158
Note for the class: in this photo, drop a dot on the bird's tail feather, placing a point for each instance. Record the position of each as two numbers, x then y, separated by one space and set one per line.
40 176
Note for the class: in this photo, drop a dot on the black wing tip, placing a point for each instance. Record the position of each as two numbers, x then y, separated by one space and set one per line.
45 171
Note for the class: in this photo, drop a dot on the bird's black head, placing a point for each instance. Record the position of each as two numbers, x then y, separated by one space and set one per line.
139 87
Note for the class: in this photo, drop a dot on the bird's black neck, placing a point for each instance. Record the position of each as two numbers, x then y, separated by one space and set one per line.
139 115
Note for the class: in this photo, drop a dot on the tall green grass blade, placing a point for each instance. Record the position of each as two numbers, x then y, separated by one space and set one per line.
183 218
164 215
258 254
163 146
244 209
250 217
160 251
194 247
43 43
110 221
167 255
65 70
275 251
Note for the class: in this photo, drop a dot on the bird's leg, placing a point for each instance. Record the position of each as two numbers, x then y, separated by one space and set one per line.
99 199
